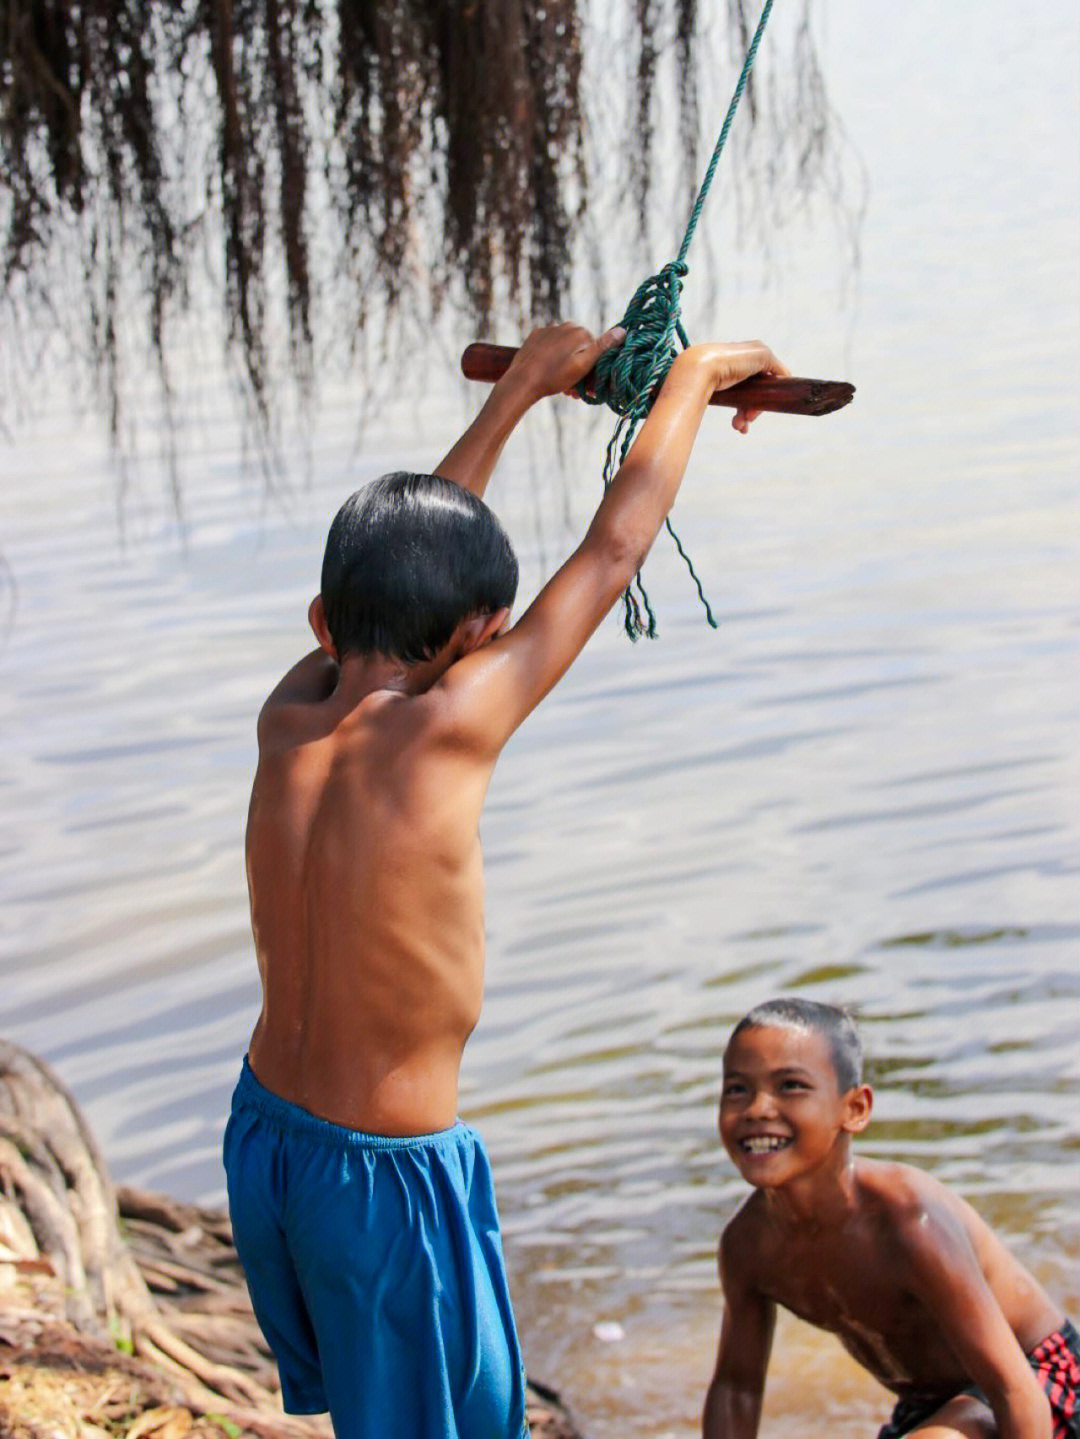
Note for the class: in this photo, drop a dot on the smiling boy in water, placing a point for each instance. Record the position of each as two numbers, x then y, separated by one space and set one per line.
905 1273
363 1212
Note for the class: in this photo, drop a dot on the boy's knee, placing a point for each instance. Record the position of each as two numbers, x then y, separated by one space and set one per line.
964 1417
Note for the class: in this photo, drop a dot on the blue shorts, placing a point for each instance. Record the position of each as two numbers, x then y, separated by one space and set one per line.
376 1272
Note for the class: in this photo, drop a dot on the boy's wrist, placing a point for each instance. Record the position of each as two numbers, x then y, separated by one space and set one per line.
512 396
728 362
520 389
699 366
710 357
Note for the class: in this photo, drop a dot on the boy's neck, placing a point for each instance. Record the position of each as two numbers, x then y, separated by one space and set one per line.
362 675
821 1199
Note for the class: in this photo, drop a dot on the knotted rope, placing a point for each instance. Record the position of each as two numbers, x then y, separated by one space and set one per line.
627 379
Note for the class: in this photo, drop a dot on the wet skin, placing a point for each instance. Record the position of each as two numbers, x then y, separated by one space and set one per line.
363 852
906 1274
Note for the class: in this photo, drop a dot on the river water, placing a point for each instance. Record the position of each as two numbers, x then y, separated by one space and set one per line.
862 788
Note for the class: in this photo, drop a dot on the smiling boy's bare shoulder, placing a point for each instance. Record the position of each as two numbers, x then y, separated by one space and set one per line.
748 1243
918 1220
903 1195
892 1200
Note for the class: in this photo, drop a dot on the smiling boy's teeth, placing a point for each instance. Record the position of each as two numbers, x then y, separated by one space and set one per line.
763 1144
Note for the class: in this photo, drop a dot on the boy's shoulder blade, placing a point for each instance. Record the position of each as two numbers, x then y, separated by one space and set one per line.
472 706
286 723
289 724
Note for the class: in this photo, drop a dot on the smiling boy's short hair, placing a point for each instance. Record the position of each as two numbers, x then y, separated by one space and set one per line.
834 1025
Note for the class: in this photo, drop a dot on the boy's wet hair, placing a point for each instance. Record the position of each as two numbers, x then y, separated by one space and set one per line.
835 1026
407 559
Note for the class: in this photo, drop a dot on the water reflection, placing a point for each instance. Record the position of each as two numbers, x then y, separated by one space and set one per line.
863 787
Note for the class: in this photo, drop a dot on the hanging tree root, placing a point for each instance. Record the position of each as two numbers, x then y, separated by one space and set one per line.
127 1307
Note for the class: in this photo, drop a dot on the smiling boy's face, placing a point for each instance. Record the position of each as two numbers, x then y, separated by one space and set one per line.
781 1111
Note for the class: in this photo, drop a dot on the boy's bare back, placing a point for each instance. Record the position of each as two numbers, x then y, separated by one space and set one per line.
365 874
363 848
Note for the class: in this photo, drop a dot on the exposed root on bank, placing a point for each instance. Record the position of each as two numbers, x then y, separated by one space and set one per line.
125 1313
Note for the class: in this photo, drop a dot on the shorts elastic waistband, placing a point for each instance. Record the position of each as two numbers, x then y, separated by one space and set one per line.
1064 1336
251 1094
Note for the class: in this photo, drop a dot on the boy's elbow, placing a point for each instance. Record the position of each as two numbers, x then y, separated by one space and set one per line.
622 546
1024 1413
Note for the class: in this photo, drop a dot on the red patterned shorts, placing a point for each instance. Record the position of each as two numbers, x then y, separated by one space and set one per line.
1056 1363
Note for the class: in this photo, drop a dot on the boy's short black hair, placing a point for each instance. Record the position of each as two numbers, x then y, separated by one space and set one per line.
407 559
835 1025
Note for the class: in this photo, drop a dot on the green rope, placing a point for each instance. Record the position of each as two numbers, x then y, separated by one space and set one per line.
628 378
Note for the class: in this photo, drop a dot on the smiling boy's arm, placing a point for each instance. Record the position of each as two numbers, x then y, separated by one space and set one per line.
943 1270
552 360
733 1400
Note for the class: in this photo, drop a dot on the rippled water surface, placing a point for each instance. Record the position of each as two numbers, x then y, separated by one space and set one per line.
863 787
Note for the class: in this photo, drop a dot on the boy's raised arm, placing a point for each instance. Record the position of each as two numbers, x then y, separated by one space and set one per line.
502 682
733 1400
551 360
945 1273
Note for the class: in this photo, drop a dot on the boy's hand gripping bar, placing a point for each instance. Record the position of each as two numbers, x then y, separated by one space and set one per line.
788 396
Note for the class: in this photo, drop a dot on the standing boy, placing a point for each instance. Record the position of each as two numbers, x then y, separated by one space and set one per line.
364 1215
904 1272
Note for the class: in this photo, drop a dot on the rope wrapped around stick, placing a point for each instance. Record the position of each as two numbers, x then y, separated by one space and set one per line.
628 378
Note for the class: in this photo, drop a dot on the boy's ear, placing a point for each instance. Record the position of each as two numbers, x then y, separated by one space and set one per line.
478 629
858 1103
317 620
